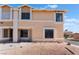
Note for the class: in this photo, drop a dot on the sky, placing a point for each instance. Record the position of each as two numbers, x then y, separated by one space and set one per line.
71 18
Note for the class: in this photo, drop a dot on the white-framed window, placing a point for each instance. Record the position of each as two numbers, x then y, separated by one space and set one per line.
24 33
7 33
59 17
6 12
25 15
48 33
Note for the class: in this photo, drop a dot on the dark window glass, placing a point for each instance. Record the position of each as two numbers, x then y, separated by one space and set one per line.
24 33
25 15
5 33
11 33
59 17
49 33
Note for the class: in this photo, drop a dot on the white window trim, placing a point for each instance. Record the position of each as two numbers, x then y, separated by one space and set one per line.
0 13
25 37
55 18
8 34
11 13
44 33
26 19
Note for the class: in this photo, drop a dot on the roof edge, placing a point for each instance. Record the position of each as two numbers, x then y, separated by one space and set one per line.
24 5
6 5
49 10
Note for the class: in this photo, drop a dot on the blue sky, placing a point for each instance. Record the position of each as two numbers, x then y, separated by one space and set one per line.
71 18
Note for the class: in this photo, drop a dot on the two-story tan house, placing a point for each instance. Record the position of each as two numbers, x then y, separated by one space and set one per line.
24 23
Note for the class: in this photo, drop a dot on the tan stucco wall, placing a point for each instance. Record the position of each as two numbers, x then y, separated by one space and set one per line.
6 23
59 28
5 9
39 21
42 15
25 9
38 28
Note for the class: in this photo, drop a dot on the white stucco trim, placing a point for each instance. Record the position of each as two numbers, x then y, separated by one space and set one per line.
6 27
20 14
7 34
30 13
60 38
11 13
6 38
0 13
6 20
15 26
1 33
38 20
44 33
25 37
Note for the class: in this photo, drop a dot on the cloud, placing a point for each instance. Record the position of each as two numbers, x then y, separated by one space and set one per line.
53 6
70 20
49 7
72 24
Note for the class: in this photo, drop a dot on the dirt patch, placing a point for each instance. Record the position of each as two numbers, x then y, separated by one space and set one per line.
38 48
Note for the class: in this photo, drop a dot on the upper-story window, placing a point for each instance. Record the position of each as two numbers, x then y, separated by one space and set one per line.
59 17
25 13
5 12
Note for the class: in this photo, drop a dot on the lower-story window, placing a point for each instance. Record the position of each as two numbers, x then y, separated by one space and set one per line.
6 33
49 33
24 33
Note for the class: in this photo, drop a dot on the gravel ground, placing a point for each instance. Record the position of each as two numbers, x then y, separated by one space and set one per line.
38 48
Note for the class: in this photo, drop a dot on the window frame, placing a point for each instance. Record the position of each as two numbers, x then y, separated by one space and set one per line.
62 17
27 12
49 29
23 18
10 16
4 14
24 37
7 33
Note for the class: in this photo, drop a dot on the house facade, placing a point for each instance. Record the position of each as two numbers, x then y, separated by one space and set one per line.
27 24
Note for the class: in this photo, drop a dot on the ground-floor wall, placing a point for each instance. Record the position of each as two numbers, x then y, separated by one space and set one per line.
37 31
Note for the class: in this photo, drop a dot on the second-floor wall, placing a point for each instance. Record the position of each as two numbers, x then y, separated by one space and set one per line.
27 13
42 15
